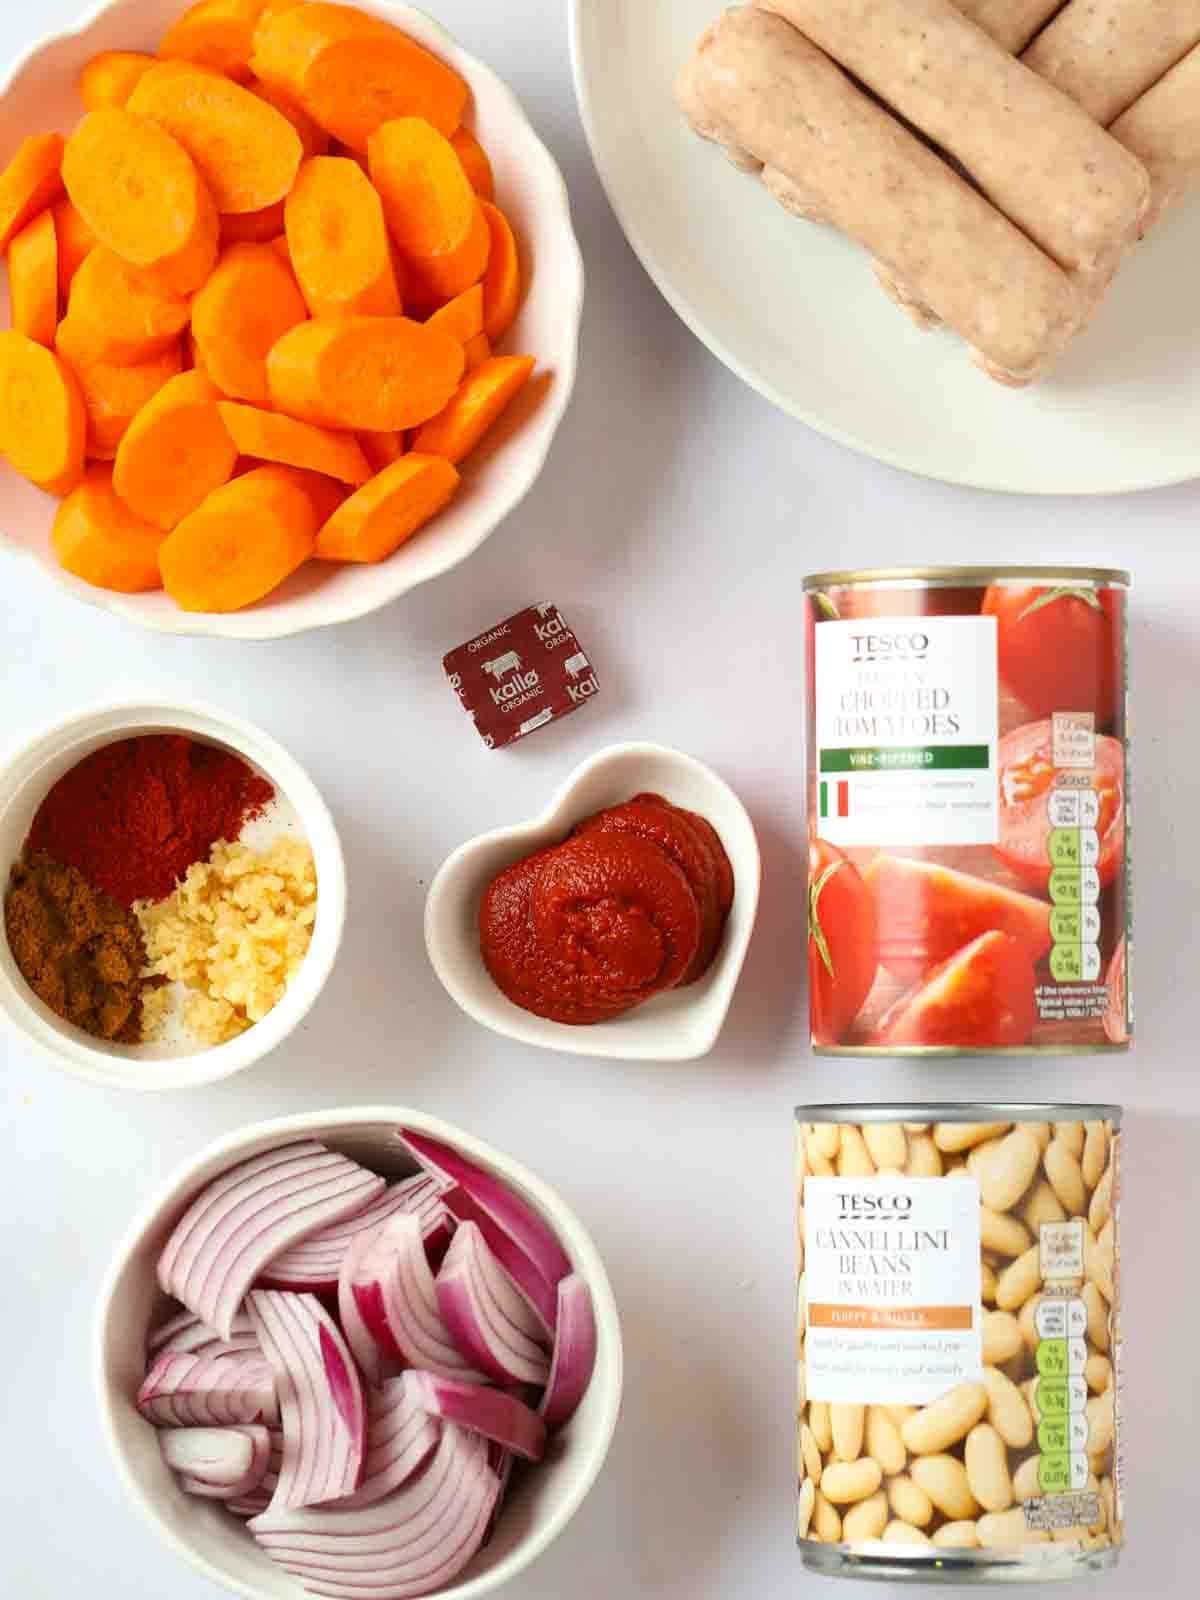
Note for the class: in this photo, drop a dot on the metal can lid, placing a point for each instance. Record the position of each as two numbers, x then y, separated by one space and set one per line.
949 577
960 1111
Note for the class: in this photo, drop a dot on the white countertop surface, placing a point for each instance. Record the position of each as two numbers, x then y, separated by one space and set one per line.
673 525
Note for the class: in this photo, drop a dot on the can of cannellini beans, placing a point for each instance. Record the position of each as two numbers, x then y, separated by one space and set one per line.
959 1340
968 811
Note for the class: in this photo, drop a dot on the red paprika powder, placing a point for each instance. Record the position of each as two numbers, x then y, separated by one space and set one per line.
134 816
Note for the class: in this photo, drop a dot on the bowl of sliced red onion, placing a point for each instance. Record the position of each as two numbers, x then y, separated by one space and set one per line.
358 1354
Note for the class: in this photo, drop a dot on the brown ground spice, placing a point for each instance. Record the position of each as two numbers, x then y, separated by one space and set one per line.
78 950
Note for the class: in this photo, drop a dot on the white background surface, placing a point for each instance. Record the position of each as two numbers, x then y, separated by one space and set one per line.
673 525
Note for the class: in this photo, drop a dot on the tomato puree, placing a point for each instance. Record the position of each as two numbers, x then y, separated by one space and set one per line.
632 904
968 839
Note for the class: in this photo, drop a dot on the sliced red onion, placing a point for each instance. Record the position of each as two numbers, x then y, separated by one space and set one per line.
574 1353
401 1436
500 1418
412 1543
258 1499
218 1463
320 1397
187 1391
252 1214
524 1244
502 1463
187 1335
492 1324
313 1267
387 1293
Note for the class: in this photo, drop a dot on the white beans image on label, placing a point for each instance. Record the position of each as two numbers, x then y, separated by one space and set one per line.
959 1340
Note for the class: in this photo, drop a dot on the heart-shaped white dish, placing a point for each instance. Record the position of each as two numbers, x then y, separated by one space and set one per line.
680 1026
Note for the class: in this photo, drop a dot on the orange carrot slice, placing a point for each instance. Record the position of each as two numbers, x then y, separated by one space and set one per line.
353 73
434 214
176 452
241 313
97 538
33 280
112 76
371 374
76 241
122 315
477 351
339 242
43 423
244 541
267 436
313 138
141 194
382 449
389 510
475 163
482 398
31 182
247 152
253 227
215 33
112 395
462 317
502 282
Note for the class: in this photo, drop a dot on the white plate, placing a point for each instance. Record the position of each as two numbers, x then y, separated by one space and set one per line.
794 309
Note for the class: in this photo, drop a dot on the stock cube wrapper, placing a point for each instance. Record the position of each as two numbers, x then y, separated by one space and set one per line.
521 675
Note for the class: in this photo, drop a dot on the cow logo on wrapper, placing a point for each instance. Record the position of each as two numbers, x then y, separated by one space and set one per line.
521 674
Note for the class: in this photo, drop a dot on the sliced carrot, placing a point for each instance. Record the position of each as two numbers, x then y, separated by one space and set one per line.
475 163
462 317
502 282
339 242
313 139
353 73
215 33
43 423
253 227
31 182
482 398
389 510
112 76
247 152
434 214
239 316
176 452
142 195
121 315
244 541
97 538
267 436
382 449
33 280
112 395
76 241
372 374
477 351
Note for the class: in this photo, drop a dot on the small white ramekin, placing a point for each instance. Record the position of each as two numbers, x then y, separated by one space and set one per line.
25 779
131 1301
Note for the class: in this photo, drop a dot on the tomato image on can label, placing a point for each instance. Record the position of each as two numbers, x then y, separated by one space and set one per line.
968 811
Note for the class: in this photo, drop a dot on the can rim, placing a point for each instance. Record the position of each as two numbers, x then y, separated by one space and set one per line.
936 577
959 1111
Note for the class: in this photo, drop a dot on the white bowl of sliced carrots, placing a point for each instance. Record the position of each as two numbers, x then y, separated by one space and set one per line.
291 316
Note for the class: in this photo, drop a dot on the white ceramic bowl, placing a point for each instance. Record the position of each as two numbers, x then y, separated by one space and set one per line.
25 779
131 1303
680 1026
37 92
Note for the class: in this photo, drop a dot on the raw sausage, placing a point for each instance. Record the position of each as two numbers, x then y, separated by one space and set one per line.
755 84
1105 53
1163 130
1012 23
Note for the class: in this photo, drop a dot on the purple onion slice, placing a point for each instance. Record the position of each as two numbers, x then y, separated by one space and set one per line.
501 1418
187 1391
401 1437
491 1322
314 1265
574 1353
218 1463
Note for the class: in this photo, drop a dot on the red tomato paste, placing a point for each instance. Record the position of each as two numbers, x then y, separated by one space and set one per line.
632 904
968 848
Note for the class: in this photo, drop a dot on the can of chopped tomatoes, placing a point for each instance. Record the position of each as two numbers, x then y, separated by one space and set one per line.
969 871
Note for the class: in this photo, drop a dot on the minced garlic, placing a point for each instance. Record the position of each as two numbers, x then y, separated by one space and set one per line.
234 933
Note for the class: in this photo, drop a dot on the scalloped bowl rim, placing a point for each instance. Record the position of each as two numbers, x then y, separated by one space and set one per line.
185 1181
252 625
626 1038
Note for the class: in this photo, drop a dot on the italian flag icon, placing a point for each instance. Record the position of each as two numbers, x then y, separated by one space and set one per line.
840 797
